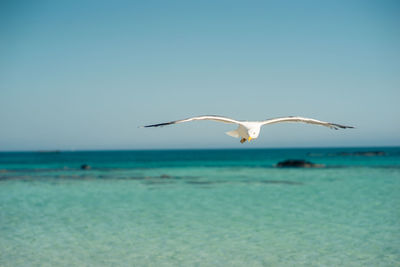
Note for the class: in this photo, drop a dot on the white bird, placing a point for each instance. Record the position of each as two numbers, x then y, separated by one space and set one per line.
248 130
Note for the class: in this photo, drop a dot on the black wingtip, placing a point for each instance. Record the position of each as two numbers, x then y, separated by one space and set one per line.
337 126
158 125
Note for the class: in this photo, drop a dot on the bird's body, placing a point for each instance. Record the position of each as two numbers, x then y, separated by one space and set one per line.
248 130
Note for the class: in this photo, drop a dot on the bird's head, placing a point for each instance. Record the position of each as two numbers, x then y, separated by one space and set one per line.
253 133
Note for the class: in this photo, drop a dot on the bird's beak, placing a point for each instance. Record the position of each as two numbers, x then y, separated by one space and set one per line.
249 138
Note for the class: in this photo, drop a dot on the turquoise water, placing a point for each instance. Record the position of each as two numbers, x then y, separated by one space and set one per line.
200 208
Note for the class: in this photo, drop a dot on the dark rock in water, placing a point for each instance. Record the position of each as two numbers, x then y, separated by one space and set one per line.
165 176
298 163
85 167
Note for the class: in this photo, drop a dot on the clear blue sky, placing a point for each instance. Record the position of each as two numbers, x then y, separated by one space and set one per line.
86 74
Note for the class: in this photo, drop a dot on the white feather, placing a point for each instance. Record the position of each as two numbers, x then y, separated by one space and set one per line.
233 133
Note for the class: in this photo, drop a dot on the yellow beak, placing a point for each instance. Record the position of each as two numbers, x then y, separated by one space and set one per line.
249 138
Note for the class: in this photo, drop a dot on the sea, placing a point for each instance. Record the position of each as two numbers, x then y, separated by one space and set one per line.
228 207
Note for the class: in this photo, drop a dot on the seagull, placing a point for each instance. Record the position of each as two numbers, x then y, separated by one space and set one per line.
248 130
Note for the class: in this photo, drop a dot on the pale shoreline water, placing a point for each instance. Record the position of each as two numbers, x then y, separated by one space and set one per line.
200 207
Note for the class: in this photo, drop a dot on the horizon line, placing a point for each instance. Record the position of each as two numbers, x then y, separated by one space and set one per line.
183 149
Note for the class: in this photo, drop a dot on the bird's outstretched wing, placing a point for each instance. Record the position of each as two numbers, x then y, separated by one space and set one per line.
305 120
204 117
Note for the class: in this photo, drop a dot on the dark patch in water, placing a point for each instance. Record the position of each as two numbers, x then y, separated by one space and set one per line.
298 163
245 181
10 178
280 182
85 167
368 153
158 182
203 182
362 153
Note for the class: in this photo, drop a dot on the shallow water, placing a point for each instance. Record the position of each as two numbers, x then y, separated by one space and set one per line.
205 208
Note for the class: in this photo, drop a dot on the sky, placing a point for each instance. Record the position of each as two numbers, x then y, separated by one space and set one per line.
83 75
